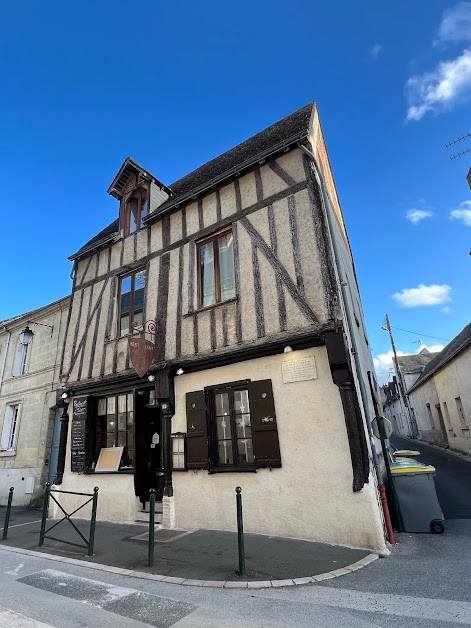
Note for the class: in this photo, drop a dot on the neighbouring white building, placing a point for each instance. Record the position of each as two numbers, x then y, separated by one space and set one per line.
441 396
30 353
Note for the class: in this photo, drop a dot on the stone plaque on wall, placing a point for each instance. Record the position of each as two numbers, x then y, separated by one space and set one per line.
299 369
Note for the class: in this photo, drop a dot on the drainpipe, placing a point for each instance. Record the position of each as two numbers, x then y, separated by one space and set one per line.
349 327
5 355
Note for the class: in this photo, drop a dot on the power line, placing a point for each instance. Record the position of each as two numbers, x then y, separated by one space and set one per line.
416 333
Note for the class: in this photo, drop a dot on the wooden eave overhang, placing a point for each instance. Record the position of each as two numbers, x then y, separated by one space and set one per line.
127 170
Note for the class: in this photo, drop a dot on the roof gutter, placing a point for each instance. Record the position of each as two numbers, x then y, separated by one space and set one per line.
260 158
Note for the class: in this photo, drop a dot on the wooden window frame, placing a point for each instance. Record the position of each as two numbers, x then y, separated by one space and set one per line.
215 466
127 210
131 274
217 274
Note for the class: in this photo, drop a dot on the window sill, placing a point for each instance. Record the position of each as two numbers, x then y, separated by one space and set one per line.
211 307
7 452
121 472
247 469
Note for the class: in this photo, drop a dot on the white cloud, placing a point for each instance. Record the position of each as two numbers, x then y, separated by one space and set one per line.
446 309
417 215
456 24
440 89
463 213
383 362
375 50
423 295
384 365
431 348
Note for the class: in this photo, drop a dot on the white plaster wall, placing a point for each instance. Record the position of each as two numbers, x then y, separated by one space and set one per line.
453 381
418 399
311 496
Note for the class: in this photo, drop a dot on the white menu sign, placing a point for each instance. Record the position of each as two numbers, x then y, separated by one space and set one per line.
299 369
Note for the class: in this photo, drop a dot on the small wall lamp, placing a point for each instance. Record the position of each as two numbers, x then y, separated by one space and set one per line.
180 371
151 378
26 336
287 349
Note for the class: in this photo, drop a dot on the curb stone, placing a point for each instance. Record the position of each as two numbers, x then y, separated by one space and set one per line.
219 584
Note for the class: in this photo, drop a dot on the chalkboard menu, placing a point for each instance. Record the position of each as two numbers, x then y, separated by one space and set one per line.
78 434
78 460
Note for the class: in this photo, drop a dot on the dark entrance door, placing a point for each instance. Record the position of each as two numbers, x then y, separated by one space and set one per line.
148 471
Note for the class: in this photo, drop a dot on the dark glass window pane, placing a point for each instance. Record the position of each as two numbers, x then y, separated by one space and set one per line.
245 451
243 427
125 305
133 213
222 404
225 452
110 439
144 206
241 401
223 426
226 266
139 290
206 258
121 439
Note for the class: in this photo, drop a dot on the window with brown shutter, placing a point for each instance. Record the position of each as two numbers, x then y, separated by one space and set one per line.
232 427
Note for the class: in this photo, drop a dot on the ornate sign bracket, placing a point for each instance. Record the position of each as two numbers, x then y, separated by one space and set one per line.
148 328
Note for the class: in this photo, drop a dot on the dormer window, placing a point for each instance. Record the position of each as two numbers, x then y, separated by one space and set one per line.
136 210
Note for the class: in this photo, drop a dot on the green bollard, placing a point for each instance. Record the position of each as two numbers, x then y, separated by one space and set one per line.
240 531
150 561
45 511
7 514
91 540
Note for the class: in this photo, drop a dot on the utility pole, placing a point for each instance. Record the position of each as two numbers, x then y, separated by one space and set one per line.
400 380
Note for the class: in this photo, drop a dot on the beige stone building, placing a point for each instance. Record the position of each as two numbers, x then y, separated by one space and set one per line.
441 396
30 353
241 276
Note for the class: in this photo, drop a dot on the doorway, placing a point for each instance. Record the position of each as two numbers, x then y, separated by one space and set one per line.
54 456
148 469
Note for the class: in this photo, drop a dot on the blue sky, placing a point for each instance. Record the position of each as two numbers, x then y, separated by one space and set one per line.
175 84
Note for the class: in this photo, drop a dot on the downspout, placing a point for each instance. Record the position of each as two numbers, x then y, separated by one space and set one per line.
5 355
364 398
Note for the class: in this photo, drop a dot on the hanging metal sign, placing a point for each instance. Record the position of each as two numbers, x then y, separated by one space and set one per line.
141 350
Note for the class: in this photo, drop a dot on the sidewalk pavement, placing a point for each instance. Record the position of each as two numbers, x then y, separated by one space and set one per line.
189 556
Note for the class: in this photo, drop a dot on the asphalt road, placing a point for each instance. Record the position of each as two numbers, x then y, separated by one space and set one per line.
453 479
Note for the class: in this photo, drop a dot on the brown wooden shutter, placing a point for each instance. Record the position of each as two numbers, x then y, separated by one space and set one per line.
197 431
264 428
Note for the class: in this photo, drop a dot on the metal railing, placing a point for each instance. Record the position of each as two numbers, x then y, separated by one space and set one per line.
88 544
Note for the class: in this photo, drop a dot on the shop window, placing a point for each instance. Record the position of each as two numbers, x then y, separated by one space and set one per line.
131 301
10 427
135 210
115 427
216 276
232 427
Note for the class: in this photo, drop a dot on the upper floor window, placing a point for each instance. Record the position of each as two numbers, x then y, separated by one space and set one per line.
20 365
131 301
10 427
216 277
135 211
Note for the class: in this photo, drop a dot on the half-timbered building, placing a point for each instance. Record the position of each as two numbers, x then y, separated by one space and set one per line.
240 274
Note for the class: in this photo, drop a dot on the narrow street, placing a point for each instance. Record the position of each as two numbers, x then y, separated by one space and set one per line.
423 583
453 479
